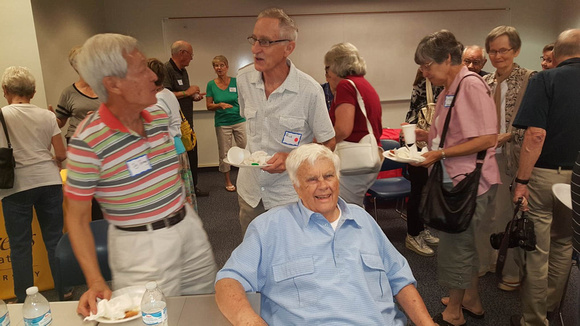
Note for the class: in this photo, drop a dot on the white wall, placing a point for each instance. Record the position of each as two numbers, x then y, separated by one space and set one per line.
538 21
19 47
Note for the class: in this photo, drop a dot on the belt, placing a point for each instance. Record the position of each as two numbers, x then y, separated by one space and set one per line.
552 166
168 221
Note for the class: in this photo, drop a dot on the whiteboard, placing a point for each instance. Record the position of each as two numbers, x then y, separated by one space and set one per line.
386 40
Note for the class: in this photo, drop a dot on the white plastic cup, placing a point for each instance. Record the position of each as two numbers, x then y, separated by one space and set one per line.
409 133
237 155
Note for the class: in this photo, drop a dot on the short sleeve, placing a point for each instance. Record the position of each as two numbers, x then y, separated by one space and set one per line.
533 111
319 118
64 108
83 173
209 89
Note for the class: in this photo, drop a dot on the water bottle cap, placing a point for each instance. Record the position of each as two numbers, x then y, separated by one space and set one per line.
32 290
151 285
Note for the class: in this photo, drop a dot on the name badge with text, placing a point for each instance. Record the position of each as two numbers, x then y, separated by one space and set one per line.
448 100
180 82
291 138
233 90
138 165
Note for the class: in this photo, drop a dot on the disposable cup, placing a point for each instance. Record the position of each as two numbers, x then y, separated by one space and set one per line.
409 133
237 155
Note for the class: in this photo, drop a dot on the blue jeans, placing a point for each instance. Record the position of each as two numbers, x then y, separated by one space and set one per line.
17 208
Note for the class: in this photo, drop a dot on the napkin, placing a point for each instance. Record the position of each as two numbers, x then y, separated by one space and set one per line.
259 157
115 308
410 153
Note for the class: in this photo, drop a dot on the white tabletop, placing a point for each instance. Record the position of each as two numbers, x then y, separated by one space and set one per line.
182 311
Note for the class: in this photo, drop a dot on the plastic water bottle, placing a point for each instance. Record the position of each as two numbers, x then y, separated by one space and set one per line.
4 317
154 306
36 310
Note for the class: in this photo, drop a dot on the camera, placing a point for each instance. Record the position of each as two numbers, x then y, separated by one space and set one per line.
522 235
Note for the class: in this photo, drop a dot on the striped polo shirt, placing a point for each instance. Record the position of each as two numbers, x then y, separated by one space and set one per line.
135 179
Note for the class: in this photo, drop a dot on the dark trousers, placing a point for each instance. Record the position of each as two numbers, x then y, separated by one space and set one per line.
418 177
17 208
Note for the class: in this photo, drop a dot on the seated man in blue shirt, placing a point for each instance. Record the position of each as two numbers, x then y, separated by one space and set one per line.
318 261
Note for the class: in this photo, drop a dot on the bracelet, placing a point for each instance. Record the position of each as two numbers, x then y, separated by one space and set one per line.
443 155
184 93
522 182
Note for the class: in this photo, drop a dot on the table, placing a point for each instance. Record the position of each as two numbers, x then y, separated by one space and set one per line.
182 311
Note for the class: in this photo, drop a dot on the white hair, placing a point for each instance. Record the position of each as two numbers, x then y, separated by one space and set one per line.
103 56
309 153
19 81
476 47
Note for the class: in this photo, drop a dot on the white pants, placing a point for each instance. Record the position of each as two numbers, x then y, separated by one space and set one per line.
354 187
179 258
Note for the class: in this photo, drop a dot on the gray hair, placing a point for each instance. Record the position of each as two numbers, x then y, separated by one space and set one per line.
344 60
72 56
18 81
103 56
438 47
475 47
178 46
309 153
567 45
510 32
288 27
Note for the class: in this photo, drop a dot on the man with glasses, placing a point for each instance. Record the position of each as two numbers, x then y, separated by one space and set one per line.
474 59
177 81
283 107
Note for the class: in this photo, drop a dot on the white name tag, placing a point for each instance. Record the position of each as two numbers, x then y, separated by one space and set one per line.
448 100
138 165
233 90
292 138
180 82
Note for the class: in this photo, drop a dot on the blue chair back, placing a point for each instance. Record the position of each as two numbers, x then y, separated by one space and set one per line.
69 273
389 144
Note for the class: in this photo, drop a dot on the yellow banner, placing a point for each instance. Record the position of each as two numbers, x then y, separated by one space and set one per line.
40 266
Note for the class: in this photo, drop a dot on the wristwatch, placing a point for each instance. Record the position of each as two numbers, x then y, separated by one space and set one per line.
522 182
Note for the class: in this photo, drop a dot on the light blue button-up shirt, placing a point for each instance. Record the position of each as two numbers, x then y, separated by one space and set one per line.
309 274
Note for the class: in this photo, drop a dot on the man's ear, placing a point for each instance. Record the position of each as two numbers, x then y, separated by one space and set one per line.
290 48
111 85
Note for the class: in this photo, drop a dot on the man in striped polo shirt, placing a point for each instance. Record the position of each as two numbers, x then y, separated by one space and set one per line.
123 156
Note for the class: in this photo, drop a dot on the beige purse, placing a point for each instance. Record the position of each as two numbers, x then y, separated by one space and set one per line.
425 115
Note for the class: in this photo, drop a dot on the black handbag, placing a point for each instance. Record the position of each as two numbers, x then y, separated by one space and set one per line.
7 162
445 210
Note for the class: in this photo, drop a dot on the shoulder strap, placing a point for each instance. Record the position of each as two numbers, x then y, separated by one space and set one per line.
520 97
362 106
5 128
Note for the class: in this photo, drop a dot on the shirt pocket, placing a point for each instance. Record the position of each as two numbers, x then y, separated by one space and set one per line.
251 117
295 280
376 277
292 130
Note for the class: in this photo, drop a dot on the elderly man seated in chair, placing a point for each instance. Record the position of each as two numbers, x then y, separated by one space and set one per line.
319 260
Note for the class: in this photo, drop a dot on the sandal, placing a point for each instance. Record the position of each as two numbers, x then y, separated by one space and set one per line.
467 311
231 188
438 319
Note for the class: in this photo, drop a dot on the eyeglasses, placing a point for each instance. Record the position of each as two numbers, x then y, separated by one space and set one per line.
468 62
548 59
190 53
326 69
264 43
500 51
426 67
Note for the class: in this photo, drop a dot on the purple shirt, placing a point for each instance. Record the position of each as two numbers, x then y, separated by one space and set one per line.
473 115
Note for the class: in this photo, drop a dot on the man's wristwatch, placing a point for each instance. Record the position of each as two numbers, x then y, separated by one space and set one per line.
522 182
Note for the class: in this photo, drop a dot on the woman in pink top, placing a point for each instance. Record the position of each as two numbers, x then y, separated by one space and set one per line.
472 128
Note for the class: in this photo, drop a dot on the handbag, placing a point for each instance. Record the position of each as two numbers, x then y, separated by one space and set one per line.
7 162
362 157
450 211
426 113
188 136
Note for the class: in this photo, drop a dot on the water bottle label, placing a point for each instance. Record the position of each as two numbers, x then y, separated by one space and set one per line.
5 320
43 320
155 318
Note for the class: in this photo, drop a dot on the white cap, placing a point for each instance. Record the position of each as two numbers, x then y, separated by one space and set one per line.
32 290
151 285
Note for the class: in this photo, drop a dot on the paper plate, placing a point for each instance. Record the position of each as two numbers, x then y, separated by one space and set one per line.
133 291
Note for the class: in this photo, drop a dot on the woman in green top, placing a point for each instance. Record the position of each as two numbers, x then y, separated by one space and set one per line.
222 97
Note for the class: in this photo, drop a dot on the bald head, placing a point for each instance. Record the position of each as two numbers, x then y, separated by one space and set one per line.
474 58
181 53
567 46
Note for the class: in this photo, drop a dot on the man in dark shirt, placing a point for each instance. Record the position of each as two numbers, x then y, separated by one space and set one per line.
550 113
177 81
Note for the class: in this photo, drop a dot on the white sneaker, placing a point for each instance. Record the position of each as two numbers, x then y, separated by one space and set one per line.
418 245
429 238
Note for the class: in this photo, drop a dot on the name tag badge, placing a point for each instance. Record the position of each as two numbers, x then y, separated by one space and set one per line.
291 138
180 82
448 100
138 165
233 90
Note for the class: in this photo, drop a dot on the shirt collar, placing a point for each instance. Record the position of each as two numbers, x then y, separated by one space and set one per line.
306 215
175 65
569 61
290 83
112 122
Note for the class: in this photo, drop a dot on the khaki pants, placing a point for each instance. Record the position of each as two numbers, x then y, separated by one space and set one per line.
224 135
545 269
249 213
